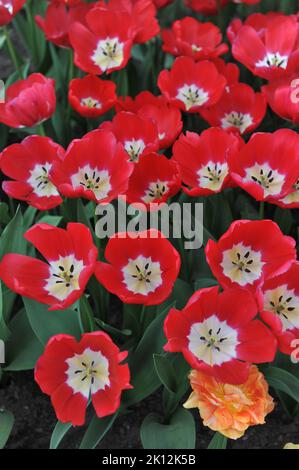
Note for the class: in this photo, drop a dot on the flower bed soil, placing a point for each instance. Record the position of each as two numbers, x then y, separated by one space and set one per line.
35 420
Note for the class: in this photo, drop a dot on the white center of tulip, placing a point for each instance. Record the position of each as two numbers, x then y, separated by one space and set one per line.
88 372
91 103
155 190
142 275
93 179
39 180
270 180
192 96
64 275
284 303
134 148
212 175
292 197
108 54
234 119
213 341
241 264
273 60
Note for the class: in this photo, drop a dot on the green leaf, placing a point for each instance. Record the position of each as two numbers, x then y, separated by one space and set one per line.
12 240
144 377
283 381
58 433
4 213
23 348
218 441
96 431
4 330
181 293
51 220
178 434
165 372
86 315
283 362
46 324
6 425
205 282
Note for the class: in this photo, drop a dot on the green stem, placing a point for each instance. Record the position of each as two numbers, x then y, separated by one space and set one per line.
12 52
262 210
219 15
41 130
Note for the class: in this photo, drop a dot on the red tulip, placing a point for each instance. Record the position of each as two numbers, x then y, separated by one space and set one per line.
141 270
203 160
8 9
192 85
91 97
105 44
138 135
29 164
239 109
259 168
59 282
219 335
154 180
280 305
95 167
190 37
28 102
71 372
249 252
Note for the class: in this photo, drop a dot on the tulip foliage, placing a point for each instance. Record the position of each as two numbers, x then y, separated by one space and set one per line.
140 104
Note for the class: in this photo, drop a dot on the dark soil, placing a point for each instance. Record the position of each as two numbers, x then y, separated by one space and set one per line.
35 420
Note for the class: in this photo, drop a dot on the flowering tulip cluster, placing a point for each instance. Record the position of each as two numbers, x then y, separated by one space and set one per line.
131 106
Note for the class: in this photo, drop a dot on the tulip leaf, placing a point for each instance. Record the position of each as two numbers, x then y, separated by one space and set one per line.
205 282
97 430
4 330
144 377
179 433
58 433
6 425
46 324
166 372
23 348
4 213
12 240
218 441
283 381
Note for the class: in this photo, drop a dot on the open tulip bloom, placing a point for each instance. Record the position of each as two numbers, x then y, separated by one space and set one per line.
217 339
243 257
59 282
139 270
71 371
192 85
95 167
29 165
260 170
105 44
149 160
202 160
